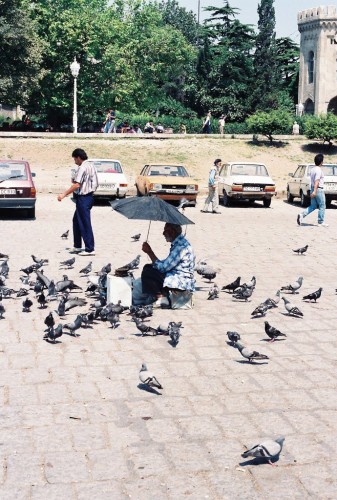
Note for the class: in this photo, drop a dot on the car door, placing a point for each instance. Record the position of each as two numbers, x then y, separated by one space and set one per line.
305 180
141 183
295 181
222 176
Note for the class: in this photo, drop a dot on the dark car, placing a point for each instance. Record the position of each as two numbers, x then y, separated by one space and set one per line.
17 190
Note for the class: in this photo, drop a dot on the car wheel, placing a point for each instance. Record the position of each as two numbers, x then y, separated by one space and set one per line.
251 201
304 200
290 197
226 199
266 202
31 213
138 192
328 202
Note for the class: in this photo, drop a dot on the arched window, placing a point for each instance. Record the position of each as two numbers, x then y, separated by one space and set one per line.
309 107
311 66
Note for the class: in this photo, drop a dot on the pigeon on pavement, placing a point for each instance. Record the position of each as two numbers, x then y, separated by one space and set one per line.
293 287
147 378
22 292
260 310
75 325
41 299
39 261
42 278
87 269
3 256
233 337
113 319
272 332
74 302
243 293
292 310
64 235
273 302
69 263
53 334
232 286
249 353
143 328
267 449
136 237
208 273
49 320
302 250
213 292
314 295
174 332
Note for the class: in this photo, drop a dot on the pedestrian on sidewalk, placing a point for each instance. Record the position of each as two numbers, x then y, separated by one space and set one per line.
84 184
317 193
213 188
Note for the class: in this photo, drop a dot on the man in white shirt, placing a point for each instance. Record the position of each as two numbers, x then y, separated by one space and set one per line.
222 122
317 193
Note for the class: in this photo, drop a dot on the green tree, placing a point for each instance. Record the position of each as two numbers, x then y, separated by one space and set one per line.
322 127
287 55
20 53
271 123
181 19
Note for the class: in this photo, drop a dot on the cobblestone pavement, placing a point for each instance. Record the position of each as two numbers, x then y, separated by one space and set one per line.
75 425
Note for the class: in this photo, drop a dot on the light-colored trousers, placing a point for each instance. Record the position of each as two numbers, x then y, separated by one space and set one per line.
213 197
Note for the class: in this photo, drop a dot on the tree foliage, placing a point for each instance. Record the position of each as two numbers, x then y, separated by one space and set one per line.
269 124
322 127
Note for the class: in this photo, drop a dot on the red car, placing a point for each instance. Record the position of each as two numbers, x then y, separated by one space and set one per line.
17 188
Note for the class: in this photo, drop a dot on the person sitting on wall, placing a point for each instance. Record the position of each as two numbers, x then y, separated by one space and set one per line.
149 128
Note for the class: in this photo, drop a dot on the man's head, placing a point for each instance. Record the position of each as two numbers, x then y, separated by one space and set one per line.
319 159
171 231
217 162
79 156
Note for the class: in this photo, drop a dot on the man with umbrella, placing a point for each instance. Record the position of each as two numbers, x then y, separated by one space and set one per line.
175 273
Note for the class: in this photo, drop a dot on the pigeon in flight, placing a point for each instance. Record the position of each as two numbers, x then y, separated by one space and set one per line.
75 325
65 235
53 334
314 295
69 263
234 337
272 332
267 449
302 250
249 354
213 292
87 269
292 310
232 286
136 237
143 328
148 378
260 310
293 287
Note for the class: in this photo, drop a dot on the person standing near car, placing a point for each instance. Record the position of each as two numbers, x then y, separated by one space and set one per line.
317 193
84 184
213 188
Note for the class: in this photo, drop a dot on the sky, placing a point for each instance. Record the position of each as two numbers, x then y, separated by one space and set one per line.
285 12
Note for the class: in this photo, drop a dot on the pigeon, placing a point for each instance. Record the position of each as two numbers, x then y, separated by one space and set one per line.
42 278
49 320
113 318
87 269
174 332
272 332
136 237
69 264
91 288
267 449
243 293
2 308
213 292
163 328
143 328
29 270
25 279
302 250
22 292
260 310
314 295
134 264
41 299
6 292
51 289
293 287
232 286
292 310
64 235
142 311
105 269
249 354
61 309
74 302
148 378
251 284
2 281
53 334
65 284
4 268
233 337
208 273
75 325
118 308
182 204
273 302
88 319
39 261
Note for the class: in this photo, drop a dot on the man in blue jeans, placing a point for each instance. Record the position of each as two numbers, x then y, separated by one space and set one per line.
84 184
317 193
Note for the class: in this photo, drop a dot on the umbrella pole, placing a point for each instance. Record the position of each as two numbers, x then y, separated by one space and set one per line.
147 236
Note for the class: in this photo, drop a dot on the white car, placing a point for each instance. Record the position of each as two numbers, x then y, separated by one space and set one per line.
240 180
299 184
112 182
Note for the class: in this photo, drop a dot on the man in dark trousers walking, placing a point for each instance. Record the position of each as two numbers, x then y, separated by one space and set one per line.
84 184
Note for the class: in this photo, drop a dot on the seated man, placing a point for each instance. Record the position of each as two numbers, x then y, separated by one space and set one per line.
175 273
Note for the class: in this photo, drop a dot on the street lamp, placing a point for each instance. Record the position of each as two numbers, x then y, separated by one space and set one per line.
75 69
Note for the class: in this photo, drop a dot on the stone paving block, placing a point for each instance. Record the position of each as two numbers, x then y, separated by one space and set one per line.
130 433
69 413
24 469
87 391
174 407
99 490
66 467
20 361
112 389
148 460
17 440
199 428
37 375
89 436
318 479
164 430
15 493
145 488
102 411
32 415
23 395
106 465
189 457
53 492
51 438
204 405
53 393
231 483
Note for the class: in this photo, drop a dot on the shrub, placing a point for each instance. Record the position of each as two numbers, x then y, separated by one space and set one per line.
269 124
323 127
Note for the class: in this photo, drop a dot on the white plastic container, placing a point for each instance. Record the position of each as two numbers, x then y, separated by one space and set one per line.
119 289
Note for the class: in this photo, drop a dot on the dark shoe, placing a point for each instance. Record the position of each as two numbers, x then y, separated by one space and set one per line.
204 211
299 219
216 212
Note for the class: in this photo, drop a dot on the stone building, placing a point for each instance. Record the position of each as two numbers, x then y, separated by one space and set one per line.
318 59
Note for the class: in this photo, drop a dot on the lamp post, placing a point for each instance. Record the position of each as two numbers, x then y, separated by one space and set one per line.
75 69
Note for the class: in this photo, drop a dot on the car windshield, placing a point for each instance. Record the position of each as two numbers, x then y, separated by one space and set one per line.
170 170
112 167
327 169
239 169
12 170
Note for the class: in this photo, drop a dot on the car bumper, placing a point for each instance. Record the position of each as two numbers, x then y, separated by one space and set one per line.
174 196
17 203
256 195
111 193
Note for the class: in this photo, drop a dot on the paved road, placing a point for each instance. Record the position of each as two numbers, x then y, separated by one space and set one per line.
75 425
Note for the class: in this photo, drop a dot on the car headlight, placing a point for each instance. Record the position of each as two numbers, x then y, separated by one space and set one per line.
157 187
191 187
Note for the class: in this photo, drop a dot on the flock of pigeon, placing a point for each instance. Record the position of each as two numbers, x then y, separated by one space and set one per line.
58 295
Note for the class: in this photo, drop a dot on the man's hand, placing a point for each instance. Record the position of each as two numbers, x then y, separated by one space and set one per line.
313 194
60 197
146 247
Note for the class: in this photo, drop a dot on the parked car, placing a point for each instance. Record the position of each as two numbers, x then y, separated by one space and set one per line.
299 184
245 181
112 182
169 182
17 188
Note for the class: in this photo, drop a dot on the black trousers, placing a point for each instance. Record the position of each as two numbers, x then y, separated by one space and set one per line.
152 280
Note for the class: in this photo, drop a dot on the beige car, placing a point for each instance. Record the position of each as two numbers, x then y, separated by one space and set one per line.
169 182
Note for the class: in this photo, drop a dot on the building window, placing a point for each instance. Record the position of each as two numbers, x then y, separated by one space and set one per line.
311 64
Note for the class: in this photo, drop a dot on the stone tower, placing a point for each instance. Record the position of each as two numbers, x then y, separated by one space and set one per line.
318 59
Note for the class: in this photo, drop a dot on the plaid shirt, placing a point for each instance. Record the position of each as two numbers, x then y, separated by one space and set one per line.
178 267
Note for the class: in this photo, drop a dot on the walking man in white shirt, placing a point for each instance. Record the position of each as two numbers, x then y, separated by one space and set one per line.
317 193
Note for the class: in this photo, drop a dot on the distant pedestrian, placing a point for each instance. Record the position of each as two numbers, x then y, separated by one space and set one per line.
222 122
213 188
84 184
317 193
206 126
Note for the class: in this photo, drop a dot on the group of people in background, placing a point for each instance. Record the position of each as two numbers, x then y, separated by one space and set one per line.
206 126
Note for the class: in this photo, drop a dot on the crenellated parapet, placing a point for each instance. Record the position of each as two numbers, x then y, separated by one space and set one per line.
323 12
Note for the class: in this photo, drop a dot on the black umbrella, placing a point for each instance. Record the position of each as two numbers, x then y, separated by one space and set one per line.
149 208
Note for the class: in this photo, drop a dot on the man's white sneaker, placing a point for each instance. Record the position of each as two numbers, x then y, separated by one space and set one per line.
85 253
323 224
161 302
75 250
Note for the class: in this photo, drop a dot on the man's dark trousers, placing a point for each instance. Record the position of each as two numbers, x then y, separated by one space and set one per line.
82 222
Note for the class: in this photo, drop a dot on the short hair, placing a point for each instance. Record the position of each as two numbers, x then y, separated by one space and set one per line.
79 153
175 227
319 159
218 160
